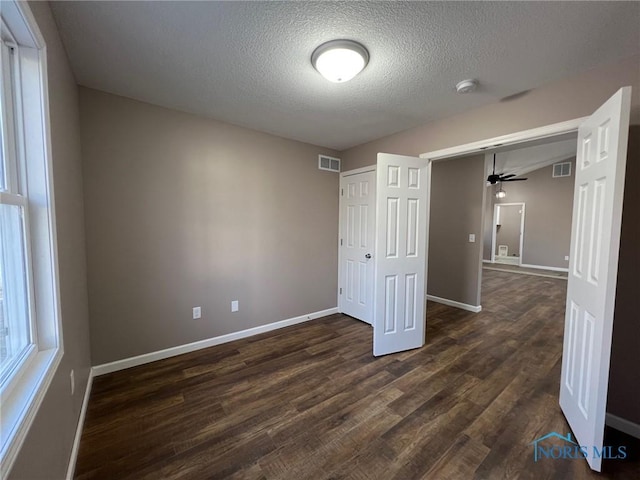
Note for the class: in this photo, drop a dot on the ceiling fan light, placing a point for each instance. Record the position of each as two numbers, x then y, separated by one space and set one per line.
501 193
340 60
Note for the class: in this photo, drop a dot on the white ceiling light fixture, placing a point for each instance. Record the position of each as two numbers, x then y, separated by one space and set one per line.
501 193
467 86
340 60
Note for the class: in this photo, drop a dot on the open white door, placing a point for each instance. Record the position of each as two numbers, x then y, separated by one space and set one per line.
402 211
595 239
357 227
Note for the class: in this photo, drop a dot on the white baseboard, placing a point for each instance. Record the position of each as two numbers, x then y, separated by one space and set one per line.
486 261
507 260
626 426
453 303
71 469
542 267
209 342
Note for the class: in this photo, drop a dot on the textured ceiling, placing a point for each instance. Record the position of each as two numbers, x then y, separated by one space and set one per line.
248 63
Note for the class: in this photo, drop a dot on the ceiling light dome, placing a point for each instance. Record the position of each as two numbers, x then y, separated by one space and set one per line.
340 60
467 86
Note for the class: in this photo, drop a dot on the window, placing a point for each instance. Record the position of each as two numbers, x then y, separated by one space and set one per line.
15 317
30 333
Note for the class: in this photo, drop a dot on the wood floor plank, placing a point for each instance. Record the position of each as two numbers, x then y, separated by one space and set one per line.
311 402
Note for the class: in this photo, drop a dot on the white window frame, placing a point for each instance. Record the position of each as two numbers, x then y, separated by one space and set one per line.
22 395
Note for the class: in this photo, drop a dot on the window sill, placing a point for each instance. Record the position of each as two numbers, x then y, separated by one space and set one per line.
21 402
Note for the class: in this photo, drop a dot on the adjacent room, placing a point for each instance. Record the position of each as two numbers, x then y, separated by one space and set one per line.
306 240
527 217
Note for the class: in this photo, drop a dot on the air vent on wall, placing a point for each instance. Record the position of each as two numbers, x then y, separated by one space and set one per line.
562 169
328 163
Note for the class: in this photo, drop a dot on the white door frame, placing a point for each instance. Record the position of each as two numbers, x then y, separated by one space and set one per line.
539 133
348 173
547 131
494 232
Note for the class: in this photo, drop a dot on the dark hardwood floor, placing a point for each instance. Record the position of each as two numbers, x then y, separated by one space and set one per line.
311 402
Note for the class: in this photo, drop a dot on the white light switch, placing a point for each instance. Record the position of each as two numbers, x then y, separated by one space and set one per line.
234 306
472 238
197 313
566 257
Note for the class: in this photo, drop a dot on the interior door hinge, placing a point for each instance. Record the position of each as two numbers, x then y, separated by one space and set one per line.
340 290
342 192
340 242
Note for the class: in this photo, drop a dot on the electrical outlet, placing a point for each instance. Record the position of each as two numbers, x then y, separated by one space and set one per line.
472 238
72 377
234 306
566 257
197 313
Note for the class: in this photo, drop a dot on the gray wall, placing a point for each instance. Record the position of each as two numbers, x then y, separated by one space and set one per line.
183 211
624 376
457 187
547 221
46 450
508 231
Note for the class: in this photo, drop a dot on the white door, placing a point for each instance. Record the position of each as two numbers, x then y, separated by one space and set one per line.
595 238
401 253
357 226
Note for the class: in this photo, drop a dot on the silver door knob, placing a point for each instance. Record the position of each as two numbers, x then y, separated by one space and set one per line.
367 256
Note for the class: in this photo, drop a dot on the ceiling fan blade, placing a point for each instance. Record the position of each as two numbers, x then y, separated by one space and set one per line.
514 179
508 176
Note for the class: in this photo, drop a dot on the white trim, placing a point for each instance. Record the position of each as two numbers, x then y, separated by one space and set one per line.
370 168
547 131
542 267
486 261
507 260
71 469
209 342
453 303
622 424
506 270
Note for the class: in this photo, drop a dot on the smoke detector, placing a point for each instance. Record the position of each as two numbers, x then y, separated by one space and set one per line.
466 86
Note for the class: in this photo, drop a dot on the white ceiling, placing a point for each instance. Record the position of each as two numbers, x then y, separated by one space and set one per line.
533 156
248 63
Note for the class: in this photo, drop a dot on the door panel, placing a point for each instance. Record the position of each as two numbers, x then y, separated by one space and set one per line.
595 233
401 247
357 218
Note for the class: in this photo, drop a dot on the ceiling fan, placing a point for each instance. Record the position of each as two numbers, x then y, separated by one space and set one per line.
498 178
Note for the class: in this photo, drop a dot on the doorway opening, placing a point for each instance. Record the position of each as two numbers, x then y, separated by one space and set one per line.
594 246
508 233
539 242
